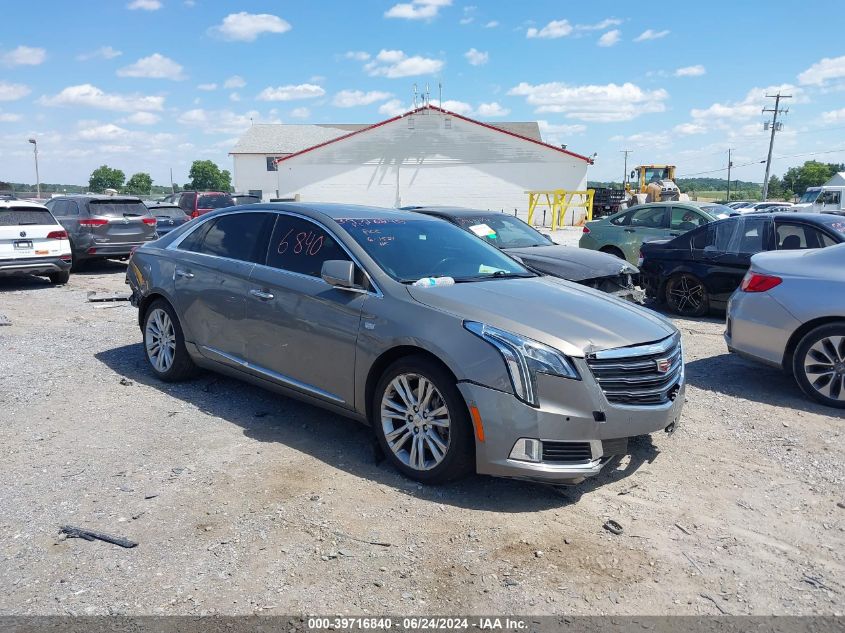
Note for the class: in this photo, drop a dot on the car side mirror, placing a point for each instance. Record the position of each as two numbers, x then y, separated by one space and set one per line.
339 273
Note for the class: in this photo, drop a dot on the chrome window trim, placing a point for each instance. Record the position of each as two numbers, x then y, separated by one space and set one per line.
638 350
378 293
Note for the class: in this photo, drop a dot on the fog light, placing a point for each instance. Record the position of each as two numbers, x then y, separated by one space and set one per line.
527 450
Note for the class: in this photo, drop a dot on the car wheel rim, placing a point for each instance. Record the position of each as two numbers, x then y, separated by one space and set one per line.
415 421
686 294
160 340
824 366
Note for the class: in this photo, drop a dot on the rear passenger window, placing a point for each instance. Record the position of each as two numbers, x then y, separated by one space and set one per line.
240 236
800 237
750 236
300 246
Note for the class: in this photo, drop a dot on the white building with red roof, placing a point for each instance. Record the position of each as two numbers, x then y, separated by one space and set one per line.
428 156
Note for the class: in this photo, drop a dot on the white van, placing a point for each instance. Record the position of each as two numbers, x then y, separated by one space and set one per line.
821 200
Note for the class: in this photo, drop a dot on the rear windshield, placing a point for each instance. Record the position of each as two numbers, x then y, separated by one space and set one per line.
22 216
835 223
118 207
716 209
215 201
169 212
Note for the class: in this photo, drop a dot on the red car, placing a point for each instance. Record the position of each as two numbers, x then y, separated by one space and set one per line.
196 203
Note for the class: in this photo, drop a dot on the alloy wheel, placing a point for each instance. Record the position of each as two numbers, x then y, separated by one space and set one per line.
824 366
686 295
160 340
416 422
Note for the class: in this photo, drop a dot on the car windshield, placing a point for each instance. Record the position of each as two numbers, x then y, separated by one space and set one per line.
502 230
717 209
215 201
118 207
167 211
810 195
409 250
835 223
24 216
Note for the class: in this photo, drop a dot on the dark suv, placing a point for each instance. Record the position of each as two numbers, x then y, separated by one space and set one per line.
101 227
195 203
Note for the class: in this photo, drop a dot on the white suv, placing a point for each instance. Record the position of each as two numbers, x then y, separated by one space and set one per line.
32 241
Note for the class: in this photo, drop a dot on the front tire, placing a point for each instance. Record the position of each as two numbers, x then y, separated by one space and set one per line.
60 278
819 364
421 421
686 295
164 343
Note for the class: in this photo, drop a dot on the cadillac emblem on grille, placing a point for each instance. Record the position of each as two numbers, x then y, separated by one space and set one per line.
663 365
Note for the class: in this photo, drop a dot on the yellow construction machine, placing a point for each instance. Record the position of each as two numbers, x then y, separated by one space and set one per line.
653 183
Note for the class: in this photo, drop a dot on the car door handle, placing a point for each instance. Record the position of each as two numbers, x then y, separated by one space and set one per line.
676 233
184 274
629 230
261 294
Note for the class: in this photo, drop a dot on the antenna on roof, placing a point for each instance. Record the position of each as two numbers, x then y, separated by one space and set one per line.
415 96
440 94
427 96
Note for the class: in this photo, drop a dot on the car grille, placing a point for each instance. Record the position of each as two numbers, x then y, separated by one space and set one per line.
630 375
566 452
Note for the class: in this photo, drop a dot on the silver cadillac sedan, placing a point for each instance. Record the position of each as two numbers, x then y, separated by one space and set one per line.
457 356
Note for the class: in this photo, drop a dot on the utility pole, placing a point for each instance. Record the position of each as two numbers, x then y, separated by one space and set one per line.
37 177
729 174
775 127
172 186
625 175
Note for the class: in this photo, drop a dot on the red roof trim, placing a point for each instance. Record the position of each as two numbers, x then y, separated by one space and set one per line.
431 107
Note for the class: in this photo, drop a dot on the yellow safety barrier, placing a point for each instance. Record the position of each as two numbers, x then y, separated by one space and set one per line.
559 201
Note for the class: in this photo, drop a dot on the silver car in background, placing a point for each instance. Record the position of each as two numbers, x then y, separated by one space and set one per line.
459 357
789 312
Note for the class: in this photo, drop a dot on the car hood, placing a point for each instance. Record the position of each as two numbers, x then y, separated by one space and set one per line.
574 264
569 317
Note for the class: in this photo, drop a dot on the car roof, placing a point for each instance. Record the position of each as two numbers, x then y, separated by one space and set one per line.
97 196
331 210
7 204
455 212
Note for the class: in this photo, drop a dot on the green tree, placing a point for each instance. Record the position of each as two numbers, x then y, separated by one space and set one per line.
775 188
104 177
139 184
206 176
811 174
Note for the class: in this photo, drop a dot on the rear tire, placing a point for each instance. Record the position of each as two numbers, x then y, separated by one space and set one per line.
76 263
164 343
60 278
819 364
686 295
612 250
422 423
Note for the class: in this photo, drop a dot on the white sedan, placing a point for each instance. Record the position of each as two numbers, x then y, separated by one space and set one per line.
33 242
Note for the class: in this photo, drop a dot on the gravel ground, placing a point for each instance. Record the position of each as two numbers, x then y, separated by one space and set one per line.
246 502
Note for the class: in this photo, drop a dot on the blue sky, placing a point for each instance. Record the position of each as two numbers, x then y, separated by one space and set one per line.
146 85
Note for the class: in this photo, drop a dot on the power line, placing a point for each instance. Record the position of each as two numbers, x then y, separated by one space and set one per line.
761 161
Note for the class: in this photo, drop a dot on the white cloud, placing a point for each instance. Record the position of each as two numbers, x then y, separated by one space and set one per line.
358 56
300 113
650 140
610 38
469 14
143 118
13 92
747 108
218 121
291 92
246 27
417 9
599 26
834 116
8 117
92 97
353 98
691 71
207 87
556 134
492 24
599 103
553 30
821 71
106 132
458 107
688 129
234 82
234 96
476 57
393 108
491 110
156 66
104 52
396 64
650 34
23 56
145 5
